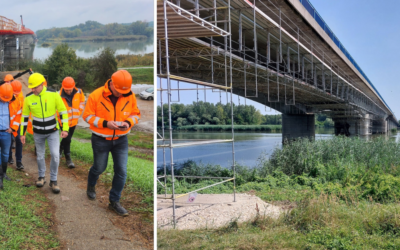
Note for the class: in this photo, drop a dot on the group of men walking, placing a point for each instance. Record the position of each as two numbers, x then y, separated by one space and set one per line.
110 110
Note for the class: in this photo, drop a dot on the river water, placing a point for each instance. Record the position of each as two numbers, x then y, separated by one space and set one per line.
249 147
90 49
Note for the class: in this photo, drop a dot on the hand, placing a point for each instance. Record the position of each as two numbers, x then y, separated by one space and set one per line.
9 130
125 126
22 137
112 125
64 134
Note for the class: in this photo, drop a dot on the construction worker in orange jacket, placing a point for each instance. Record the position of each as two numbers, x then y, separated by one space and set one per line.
9 123
111 111
74 101
17 88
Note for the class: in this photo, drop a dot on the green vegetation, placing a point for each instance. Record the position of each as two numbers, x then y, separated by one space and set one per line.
88 73
46 45
322 121
268 128
140 172
93 28
26 219
205 113
341 193
142 76
135 60
190 116
394 130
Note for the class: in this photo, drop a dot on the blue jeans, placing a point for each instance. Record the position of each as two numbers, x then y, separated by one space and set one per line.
5 143
119 152
18 149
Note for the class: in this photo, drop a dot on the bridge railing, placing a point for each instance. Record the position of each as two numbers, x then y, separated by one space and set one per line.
8 26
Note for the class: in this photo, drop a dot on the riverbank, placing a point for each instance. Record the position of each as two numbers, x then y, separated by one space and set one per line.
340 193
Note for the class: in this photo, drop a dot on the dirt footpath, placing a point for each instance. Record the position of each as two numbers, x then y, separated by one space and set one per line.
81 223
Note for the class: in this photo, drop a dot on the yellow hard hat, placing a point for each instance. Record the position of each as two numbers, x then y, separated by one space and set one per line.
35 80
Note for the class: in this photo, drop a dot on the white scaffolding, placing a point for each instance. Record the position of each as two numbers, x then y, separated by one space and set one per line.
174 22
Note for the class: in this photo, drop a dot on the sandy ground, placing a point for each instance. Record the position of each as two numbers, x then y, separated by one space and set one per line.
212 210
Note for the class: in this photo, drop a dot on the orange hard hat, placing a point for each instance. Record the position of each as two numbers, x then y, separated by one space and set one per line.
68 83
8 77
17 86
6 92
122 81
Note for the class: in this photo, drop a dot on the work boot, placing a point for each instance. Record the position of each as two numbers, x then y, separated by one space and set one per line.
11 161
4 166
6 177
70 164
116 206
40 182
19 165
54 187
91 192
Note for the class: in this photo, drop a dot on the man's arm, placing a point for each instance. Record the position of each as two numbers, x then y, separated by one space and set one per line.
134 117
26 110
63 112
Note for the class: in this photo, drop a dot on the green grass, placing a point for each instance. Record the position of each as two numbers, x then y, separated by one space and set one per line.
140 76
344 194
229 127
140 172
25 217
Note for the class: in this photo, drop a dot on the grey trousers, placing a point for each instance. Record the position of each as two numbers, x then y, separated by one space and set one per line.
53 140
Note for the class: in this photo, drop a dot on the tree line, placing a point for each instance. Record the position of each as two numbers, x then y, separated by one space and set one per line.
93 28
205 113
88 73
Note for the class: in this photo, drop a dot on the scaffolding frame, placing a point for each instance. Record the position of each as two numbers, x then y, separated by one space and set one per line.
209 29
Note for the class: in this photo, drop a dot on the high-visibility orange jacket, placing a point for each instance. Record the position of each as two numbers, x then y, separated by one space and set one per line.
15 109
20 97
100 110
74 108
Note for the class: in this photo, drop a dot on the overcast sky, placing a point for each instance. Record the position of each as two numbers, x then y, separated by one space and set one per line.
45 14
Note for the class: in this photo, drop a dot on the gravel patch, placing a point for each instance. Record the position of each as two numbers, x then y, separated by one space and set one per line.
212 210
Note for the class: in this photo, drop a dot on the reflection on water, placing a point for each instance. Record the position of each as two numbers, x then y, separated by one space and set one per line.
90 49
249 147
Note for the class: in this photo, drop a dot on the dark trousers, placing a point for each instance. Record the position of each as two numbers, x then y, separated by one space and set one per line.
18 149
119 151
65 144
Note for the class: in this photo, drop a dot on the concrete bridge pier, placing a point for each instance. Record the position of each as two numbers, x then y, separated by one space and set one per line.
380 126
297 126
353 126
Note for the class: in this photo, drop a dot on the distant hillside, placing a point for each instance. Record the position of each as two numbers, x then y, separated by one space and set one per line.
96 29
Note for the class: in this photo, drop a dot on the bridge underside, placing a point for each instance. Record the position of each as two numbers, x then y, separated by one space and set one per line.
269 58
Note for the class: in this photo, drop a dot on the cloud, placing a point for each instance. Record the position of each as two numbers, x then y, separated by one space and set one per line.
45 14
